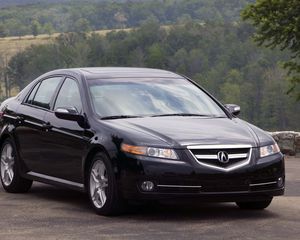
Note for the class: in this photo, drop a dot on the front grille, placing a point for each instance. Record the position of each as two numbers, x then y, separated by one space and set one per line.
222 157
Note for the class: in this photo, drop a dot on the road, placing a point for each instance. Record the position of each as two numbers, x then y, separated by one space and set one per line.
48 212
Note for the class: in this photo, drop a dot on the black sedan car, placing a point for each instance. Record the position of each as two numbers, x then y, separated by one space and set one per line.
135 134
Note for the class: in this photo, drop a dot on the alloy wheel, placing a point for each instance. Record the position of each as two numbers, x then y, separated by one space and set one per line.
7 164
98 184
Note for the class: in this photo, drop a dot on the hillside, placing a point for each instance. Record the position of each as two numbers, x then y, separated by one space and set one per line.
10 3
10 46
207 42
5 3
222 59
89 15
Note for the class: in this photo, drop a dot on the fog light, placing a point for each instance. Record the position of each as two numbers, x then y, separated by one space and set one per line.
280 182
147 186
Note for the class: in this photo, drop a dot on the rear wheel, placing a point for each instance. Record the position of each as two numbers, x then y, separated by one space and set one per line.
102 187
10 177
257 205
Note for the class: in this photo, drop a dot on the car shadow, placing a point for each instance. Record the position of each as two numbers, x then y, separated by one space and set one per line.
178 210
191 210
77 200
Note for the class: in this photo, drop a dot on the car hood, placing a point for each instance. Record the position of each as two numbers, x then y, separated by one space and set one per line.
184 131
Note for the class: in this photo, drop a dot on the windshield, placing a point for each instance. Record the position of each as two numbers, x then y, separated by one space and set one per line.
150 97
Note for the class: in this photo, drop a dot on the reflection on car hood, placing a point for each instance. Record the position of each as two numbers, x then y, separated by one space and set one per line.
183 131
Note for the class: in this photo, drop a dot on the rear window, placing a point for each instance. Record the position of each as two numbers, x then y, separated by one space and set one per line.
42 93
32 94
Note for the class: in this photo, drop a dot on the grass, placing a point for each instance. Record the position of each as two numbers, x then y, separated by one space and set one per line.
12 45
9 46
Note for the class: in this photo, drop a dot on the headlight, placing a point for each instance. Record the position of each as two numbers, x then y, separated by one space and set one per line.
269 150
150 151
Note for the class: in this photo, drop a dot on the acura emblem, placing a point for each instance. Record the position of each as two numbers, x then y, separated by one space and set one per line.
223 157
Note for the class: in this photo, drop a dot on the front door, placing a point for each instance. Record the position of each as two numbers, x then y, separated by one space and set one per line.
65 143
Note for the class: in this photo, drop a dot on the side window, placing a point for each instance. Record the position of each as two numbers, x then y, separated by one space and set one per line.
69 95
32 94
45 92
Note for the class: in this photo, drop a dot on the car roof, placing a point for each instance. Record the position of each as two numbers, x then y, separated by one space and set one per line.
117 72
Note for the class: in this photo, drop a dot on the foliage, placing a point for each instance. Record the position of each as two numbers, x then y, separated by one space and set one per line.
3 31
105 14
5 3
35 27
218 56
49 29
278 24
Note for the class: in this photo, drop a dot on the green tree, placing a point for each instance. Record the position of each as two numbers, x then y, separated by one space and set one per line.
82 25
15 27
156 56
222 59
184 18
231 92
3 30
234 76
121 19
136 58
277 23
35 27
49 29
179 62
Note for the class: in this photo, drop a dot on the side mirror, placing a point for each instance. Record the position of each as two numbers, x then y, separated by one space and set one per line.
233 109
69 113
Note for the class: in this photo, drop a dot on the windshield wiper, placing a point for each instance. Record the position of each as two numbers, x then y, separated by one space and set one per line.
119 116
183 115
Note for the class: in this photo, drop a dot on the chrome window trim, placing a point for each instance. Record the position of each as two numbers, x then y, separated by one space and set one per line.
231 146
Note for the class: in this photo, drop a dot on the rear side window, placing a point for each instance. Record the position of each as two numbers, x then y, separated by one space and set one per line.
44 93
32 94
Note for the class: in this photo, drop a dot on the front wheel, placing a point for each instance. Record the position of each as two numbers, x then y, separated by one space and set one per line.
10 177
257 205
102 187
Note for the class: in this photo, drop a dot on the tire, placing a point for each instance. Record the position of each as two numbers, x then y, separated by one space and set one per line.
102 187
259 205
11 179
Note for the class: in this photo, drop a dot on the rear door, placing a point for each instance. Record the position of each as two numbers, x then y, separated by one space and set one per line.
31 124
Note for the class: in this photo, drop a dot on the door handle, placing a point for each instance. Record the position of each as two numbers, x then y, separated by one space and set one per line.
20 119
47 126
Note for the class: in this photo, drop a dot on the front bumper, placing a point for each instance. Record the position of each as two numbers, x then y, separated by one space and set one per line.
260 179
